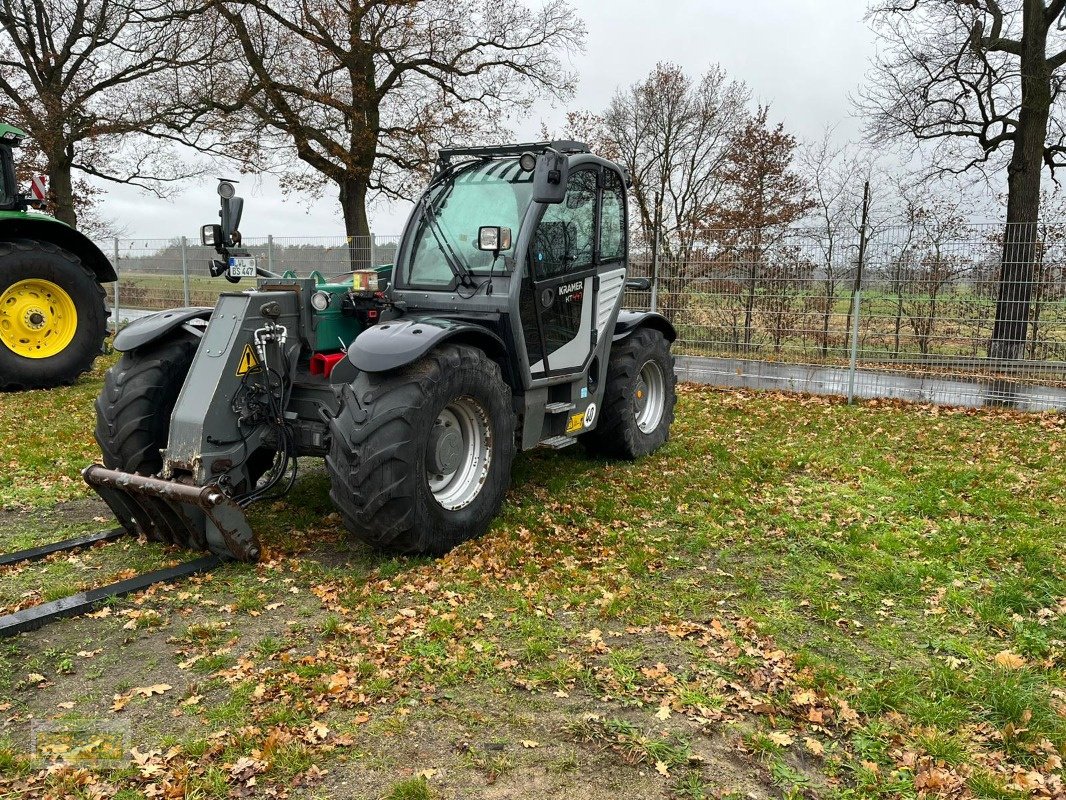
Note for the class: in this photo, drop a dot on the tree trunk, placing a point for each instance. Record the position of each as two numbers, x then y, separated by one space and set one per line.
356 224
1023 191
61 190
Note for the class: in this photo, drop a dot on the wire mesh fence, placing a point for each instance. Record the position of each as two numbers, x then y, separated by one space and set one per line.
909 313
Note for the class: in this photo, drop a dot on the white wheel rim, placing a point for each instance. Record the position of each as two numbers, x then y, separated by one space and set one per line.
457 489
650 397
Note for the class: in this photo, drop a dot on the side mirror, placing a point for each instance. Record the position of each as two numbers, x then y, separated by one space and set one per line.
550 177
211 235
493 239
638 284
232 208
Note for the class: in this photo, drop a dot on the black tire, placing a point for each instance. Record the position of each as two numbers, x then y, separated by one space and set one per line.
380 443
133 411
24 259
618 434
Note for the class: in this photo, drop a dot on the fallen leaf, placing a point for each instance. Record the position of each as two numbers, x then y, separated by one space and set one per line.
662 768
1008 660
779 738
530 743
814 746
148 691
68 704
663 712
36 677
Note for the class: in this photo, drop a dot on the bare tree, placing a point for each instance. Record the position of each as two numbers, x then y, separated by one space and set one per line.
979 79
91 80
925 259
362 93
837 176
673 135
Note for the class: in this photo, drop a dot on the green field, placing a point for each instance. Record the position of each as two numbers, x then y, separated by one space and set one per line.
794 598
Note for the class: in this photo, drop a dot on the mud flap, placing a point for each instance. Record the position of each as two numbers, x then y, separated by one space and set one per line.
193 517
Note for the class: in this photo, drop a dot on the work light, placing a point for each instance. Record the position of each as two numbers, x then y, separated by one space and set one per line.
494 239
320 300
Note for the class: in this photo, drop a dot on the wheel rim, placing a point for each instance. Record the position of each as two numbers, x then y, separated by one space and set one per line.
459 453
650 397
37 318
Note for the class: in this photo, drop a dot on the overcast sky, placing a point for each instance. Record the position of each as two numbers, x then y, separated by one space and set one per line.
803 57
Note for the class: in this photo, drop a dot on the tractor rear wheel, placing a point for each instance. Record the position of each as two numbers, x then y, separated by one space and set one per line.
639 399
52 316
420 459
133 411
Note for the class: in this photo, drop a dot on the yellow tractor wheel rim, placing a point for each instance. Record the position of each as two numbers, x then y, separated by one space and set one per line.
37 318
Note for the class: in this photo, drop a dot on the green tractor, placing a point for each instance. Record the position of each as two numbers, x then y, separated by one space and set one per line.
498 329
53 319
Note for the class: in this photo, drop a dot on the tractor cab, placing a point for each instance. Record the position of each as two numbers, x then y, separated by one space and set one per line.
10 199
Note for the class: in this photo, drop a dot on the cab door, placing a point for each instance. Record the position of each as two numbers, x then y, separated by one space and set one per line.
559 295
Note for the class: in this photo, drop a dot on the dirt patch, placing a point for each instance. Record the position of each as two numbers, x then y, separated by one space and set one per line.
510 744
18 526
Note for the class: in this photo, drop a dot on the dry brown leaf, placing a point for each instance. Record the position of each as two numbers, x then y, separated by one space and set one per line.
1009 660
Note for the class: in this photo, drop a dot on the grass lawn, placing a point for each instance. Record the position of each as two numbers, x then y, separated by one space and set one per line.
794 598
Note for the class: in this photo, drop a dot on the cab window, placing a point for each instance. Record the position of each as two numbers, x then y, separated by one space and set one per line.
565 239
613 219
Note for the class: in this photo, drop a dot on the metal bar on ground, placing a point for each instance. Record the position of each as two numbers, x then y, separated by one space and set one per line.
37 553
30 619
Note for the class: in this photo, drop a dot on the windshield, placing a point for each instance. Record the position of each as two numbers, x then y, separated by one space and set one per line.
489 193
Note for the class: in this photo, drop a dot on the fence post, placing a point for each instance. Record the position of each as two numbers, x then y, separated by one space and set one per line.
856 296
373 250
655 260
856 309
185 270
118 277
270 252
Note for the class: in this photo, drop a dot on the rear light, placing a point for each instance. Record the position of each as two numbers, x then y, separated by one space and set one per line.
365 280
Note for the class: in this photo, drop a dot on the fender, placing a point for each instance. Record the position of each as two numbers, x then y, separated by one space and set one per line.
394 344
630 321
48 229
155 326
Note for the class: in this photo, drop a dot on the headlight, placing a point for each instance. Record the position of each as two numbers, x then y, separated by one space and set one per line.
365 280
320 300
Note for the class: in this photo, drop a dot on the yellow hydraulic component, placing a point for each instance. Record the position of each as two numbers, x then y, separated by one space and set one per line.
37 318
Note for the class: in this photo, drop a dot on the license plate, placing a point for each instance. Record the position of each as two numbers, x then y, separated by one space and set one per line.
240 267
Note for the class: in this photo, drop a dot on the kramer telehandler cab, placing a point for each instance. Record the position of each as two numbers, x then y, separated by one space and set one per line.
498 328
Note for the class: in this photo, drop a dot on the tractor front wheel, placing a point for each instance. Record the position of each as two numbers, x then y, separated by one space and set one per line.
52 316
420 459
133 411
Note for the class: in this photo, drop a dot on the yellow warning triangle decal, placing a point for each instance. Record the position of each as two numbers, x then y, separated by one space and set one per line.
249 363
